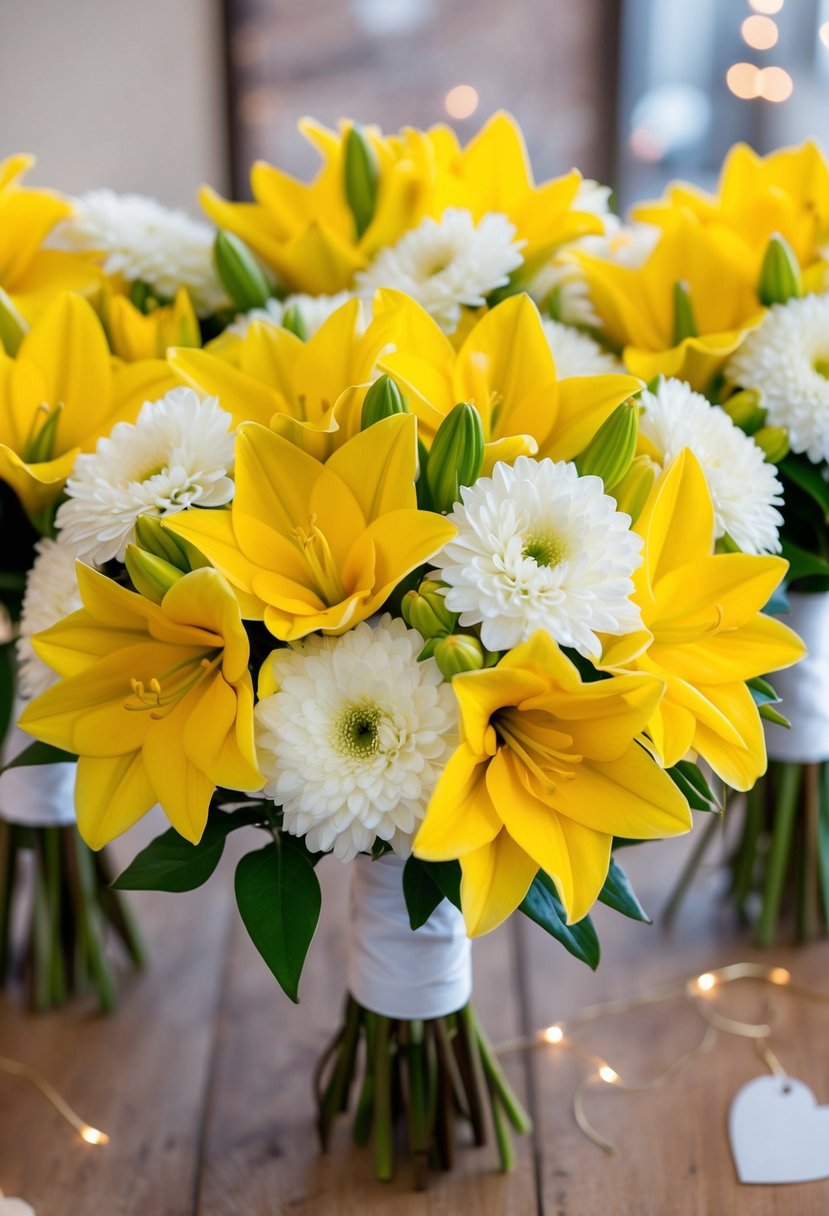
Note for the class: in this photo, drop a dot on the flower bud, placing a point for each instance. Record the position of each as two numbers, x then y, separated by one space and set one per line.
361 178
458 652
241 274
773 442
153 538
151 576
382 399
456 457
13 328
632 491
780 277
685 324
745 411
425 610
610 452
293 320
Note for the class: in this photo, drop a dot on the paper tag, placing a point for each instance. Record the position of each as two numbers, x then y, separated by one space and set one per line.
15 1207
778 1132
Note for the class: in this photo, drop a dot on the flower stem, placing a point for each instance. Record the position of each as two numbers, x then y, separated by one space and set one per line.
381 1131
8 867
515 1112
691 867
807 903
778 856
744 861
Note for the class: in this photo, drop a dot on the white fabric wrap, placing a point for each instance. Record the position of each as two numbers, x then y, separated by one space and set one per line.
804 688
37 795
392 970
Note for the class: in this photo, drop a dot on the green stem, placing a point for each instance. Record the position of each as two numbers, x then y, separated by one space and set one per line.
692 865
116 908
744 862
503 1139
86 907
778 856
40 941
365 1102
381 1132
50 841
8 867
469 1061
498 1082
411 1036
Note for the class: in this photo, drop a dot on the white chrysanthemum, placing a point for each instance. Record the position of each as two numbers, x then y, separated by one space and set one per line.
448 263
314 310
743 485
577 354
51 594
539 547
142 240
355 738
786 359
177 454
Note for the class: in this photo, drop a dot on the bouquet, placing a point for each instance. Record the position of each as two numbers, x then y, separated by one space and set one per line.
429 597
749 328
92 291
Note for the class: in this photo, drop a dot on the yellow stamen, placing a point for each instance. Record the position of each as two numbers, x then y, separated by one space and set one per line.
320 559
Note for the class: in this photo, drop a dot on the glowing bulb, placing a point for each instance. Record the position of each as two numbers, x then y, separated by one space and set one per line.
774 84
706 982
769 7
759 32
608 1075
742 79
553 1034
779 975
824 33
92 1135
461 102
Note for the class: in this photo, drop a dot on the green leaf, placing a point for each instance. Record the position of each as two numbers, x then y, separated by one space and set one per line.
802 562
690 782
421 892
618 894
542 904
762 692
171 863
279 899
772 715
446 875
808 476
39 753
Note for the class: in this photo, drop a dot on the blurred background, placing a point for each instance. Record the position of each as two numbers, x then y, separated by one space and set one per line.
157 97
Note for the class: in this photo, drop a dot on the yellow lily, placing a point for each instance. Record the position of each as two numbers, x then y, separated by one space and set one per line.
60 394
710 269
311 392
505 368
786 192
548 771
705 634
312 546
306 233
155 699
29 274
135 335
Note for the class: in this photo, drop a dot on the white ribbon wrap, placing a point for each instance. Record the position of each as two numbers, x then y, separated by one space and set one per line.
804 688
37 795
392 970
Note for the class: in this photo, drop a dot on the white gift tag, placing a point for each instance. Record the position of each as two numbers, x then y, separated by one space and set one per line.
15 1207
778 1132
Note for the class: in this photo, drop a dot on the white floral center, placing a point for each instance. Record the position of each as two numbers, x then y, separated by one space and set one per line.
545 547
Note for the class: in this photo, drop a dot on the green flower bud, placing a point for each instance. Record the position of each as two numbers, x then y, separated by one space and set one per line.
241 274
745 411
141 297
425 610
293 320
382 400
456 457
773 441
13 328
151 576
633 489
361 178
685 324
40 443
153 538
780 277
610 452
457 653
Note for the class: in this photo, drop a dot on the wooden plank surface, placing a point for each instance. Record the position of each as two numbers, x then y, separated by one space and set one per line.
202 1077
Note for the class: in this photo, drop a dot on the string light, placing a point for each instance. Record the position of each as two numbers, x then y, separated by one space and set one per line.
558 1034
768 7
824 33
759 32
461 101
14 1068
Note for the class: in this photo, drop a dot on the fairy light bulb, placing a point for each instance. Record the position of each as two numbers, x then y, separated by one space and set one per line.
93 1135
706 981
552 1034
779 975
609 1075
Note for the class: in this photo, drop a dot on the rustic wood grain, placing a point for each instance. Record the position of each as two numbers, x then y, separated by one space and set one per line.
261 1155
139 1074
673 1153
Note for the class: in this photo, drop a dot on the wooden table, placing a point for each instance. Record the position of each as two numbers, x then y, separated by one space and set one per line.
202 1077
